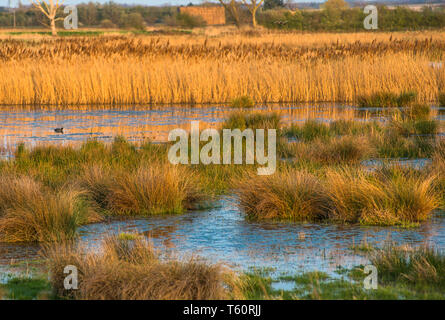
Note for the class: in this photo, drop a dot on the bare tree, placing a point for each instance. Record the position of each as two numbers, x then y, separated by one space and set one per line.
253 6
49 9
233 7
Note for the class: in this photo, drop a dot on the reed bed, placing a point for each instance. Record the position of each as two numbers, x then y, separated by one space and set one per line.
148 70
131 270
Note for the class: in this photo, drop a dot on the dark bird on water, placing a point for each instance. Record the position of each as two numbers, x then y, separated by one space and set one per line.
58 130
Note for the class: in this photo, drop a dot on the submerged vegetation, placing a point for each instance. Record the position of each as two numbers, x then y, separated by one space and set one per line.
243 102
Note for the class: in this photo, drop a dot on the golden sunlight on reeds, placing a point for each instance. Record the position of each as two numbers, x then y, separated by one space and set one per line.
151 70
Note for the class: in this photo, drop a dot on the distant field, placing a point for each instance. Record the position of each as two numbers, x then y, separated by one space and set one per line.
215 65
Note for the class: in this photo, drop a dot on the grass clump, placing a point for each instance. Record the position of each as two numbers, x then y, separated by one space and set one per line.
242 102
387 197
343 150
131 270
127 236
387 100
309 131
442 99
426 127
312 130
422 267
153 188
252 120
438 169
30 211
418 111
23 288
292 194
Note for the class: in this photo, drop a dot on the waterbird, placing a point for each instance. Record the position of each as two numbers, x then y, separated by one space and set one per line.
58 130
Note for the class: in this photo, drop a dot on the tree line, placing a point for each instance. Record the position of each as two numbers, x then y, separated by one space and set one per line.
335 15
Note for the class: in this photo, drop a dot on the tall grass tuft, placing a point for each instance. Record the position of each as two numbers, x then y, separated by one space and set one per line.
438 169
312 130
131 270
420 267
252 120
291 194
387 197
343 150
442 99
31 212
242 102
153 189
387 100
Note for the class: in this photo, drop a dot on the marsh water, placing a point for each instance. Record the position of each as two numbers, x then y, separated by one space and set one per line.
36 126
222 233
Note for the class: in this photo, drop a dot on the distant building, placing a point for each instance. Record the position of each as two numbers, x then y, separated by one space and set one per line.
212 15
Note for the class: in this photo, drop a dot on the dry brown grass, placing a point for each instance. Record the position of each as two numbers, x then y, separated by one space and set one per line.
31 212
391 196
131 270
438 169
152 188
196 69
387 197
290 194
342 150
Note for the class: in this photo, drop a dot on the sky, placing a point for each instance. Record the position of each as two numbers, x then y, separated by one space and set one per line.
4 3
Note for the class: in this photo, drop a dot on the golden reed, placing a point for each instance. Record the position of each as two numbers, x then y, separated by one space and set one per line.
197 69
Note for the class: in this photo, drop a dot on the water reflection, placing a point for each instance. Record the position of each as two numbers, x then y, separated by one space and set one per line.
36 126
224 235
